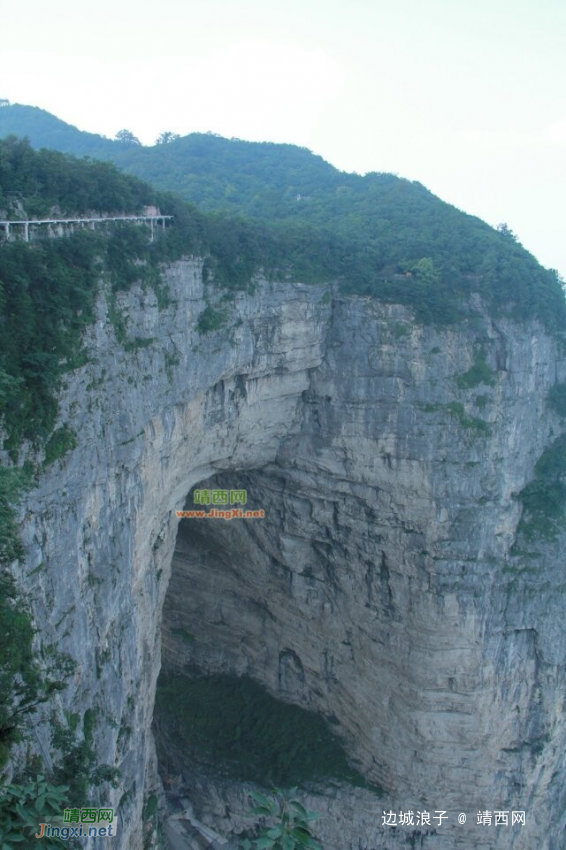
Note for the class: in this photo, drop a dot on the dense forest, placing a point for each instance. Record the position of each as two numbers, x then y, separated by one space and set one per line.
364 231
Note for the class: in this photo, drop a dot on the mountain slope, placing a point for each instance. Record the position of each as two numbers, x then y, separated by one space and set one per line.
385 235
44 130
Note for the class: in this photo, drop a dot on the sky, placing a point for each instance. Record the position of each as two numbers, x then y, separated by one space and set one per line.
468 98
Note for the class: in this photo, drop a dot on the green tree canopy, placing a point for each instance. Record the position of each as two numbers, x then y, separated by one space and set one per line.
126 137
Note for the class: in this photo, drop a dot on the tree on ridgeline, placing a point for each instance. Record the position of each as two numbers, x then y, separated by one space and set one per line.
166 137
506 231
126 137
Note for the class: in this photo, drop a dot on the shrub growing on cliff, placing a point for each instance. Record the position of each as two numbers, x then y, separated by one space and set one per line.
24 806
12 483
210 320
479 373
544 498
288 826
60 442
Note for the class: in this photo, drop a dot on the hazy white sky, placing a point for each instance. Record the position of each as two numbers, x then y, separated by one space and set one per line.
467 97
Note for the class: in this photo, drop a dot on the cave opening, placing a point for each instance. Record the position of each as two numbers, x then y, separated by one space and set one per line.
248 666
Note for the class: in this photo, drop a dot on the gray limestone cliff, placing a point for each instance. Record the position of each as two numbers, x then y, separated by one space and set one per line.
385 587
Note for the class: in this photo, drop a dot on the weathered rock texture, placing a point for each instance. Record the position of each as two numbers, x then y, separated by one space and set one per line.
380 588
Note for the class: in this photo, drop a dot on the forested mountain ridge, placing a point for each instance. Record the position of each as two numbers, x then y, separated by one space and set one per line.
45 130
378 234
364 231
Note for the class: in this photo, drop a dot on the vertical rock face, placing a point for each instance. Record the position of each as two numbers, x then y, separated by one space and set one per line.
381 587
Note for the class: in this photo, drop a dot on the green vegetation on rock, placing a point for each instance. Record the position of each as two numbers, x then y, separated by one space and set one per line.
557 398
479 373
78 767
29 676
211 319
285 823
26 678
479 427
13 481
23 806
61 441
235 728
544 498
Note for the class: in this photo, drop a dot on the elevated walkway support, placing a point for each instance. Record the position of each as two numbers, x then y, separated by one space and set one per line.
61 226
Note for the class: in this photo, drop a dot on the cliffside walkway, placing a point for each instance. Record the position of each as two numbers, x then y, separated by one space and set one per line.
59 226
